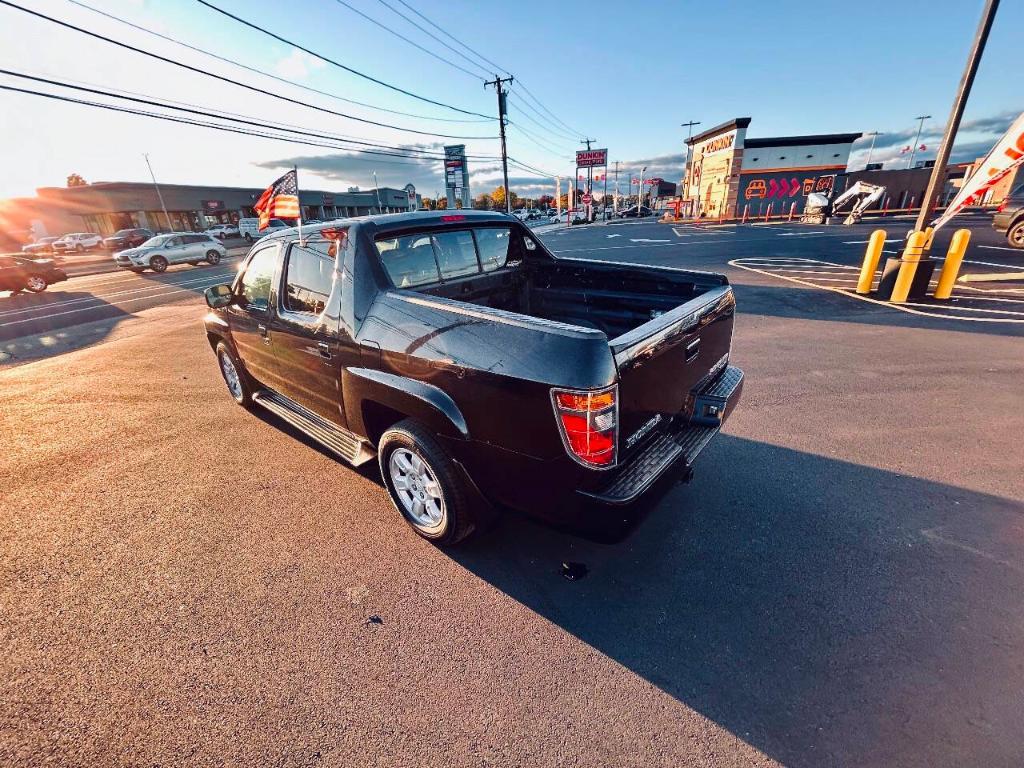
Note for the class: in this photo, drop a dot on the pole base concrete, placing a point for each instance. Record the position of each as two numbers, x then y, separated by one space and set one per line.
918 288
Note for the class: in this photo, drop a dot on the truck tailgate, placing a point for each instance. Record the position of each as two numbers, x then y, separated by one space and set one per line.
662 362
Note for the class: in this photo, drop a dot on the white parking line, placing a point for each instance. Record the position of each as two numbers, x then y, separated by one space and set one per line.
1002 248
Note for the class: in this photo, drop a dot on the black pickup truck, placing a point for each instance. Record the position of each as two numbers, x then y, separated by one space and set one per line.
483 372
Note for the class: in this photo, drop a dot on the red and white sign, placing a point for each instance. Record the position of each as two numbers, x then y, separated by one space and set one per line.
587 199
591 158
1006 155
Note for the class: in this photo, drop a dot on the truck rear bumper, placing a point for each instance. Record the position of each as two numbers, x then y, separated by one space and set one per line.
674 449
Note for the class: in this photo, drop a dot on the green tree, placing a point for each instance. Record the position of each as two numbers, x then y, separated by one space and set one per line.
483 202
441 204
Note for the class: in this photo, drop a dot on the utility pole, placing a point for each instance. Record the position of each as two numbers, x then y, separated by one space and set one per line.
920 127
956 113
871 149
590 179
615 200
497 82
158 193
686 176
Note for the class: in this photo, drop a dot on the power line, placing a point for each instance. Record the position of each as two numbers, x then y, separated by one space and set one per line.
201 124
406 39
533 139
244 119
232 81
264 73
486 60
431 35
531 169
363 75
543 127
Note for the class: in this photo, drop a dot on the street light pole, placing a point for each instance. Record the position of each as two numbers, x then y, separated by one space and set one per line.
158 193
871 149
689 134
376 188
957 112
920 127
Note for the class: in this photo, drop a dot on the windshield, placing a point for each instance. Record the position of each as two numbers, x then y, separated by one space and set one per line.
155 241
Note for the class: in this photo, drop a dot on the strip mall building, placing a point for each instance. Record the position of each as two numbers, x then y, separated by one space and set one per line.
727 172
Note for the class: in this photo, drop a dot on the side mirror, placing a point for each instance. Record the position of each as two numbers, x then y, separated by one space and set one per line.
218 296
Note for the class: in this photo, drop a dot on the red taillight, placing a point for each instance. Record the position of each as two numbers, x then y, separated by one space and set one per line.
1002 206
589 425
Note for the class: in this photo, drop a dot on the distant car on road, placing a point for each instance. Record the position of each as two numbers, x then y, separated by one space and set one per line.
20 274
161 251
77 242
127 238
250 228
632 213
1009 218
223 231
42 245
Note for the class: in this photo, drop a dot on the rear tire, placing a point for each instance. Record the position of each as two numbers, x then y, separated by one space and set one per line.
426 486
212 257
1015 235
80 248
158 264
248 237
234 376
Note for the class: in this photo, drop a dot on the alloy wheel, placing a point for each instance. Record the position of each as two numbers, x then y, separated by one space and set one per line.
417 489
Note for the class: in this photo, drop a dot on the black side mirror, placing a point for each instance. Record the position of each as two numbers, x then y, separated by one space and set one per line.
218 296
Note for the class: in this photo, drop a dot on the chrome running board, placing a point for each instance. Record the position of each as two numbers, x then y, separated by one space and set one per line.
337 439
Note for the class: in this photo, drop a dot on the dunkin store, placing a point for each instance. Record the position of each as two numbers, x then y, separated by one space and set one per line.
727 172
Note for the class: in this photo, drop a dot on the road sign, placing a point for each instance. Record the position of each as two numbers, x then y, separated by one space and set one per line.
587 198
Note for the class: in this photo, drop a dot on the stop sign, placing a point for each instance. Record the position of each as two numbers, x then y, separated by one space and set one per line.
587 198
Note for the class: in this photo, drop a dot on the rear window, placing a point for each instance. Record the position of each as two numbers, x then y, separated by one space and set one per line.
415 260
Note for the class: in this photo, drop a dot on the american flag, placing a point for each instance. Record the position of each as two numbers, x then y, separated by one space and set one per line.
280 200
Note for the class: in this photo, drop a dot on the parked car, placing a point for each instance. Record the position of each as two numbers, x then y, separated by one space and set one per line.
223 231
77 242
250 228
578 216
1009 217
161 251
479 370
127 238
18 273
42 245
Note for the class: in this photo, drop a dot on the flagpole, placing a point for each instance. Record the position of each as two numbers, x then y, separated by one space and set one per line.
295 168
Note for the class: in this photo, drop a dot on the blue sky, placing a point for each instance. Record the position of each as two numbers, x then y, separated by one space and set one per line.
626 77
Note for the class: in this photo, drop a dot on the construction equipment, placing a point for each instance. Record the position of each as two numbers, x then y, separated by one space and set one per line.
863 195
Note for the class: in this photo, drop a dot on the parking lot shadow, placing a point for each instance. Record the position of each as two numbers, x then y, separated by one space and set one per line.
825 612
29 331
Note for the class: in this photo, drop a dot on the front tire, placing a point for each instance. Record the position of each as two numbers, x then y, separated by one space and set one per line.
158 264
35 284
1015 236
80 248
234 376
212 257
426 486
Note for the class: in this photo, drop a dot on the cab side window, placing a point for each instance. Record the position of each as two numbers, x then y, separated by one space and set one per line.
254 285
171 243
308 278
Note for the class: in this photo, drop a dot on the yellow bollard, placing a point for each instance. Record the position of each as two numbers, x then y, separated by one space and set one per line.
954 256
911 256
871 257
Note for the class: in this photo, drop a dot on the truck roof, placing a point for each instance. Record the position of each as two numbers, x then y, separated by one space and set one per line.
386 221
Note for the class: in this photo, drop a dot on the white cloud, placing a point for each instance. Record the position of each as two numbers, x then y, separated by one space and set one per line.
297 65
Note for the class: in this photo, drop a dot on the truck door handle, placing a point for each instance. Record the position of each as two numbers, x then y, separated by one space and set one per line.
324 349
262 329
692 349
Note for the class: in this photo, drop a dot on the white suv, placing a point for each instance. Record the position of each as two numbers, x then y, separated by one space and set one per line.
223 230
78 242
161 251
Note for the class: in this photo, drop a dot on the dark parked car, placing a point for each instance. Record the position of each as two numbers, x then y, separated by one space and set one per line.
479 370
632 213
42 245
18 273
1009 217
126 238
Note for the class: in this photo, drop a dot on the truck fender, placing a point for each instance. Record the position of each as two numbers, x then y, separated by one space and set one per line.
406 397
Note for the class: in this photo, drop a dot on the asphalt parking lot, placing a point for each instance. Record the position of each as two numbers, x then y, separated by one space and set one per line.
187 583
